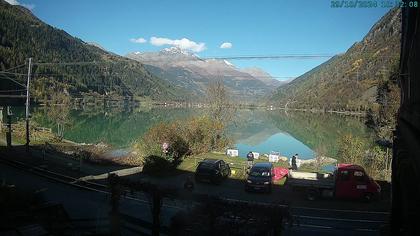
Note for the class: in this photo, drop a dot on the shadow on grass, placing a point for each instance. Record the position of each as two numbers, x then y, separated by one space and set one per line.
158 166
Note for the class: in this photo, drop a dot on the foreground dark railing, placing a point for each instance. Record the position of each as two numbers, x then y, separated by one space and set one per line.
209 216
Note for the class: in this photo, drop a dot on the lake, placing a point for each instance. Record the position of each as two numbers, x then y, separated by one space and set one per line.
256 130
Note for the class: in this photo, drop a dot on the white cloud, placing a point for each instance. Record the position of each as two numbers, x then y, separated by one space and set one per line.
29 6
183 43
226 45
138 40
16 2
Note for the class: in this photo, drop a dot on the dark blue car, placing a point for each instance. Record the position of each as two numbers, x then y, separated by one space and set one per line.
260 177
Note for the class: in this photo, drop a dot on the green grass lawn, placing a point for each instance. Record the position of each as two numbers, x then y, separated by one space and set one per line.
237 164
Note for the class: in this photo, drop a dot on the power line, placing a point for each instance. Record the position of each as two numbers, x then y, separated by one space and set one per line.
70 63
224 76
11 73
239 57
234 57
249 57
14 68
14 90
283 56
8 78
255 76
12 96
298 56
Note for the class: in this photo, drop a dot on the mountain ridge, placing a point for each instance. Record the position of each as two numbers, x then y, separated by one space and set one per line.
23 35
349 80
263 76
184 69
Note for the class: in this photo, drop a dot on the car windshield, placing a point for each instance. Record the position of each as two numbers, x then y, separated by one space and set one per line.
259 172
206 165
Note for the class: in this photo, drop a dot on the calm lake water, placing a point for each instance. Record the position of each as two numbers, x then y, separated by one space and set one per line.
257 130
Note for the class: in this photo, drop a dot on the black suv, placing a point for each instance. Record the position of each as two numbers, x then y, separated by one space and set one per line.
212 170
260 177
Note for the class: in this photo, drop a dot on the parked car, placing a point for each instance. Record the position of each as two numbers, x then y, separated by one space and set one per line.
260 177
212 170
348 181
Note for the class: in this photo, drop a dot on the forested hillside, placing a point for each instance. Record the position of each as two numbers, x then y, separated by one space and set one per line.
22 35
353 80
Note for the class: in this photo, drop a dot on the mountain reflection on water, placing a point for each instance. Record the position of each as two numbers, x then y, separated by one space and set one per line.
252 130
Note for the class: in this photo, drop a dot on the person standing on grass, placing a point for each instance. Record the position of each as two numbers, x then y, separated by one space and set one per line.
250 158
294 162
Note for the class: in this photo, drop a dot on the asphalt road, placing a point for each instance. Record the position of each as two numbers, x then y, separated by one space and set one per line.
81 203
234 189
326 217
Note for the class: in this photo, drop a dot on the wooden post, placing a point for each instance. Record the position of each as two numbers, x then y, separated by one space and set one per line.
1 119
9 128
156 207
115 202
44 148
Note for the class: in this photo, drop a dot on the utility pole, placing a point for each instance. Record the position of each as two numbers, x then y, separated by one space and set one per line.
27 103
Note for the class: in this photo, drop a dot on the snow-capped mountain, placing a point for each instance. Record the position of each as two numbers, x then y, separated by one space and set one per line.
184 69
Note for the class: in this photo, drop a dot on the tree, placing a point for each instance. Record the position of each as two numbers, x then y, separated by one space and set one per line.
375 160
379 163
220 107
351 150
389 100
60 111
320 154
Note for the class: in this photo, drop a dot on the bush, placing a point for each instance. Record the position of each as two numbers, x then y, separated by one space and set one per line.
204 135
375 160
193 136
151 143
352 149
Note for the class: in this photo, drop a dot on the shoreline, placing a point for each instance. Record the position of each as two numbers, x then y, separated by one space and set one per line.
107 153
95 100
98 153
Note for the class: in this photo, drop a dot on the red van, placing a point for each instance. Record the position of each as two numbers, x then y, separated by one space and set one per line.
348 181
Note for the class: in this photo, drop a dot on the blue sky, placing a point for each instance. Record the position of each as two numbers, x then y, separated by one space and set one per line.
263 27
